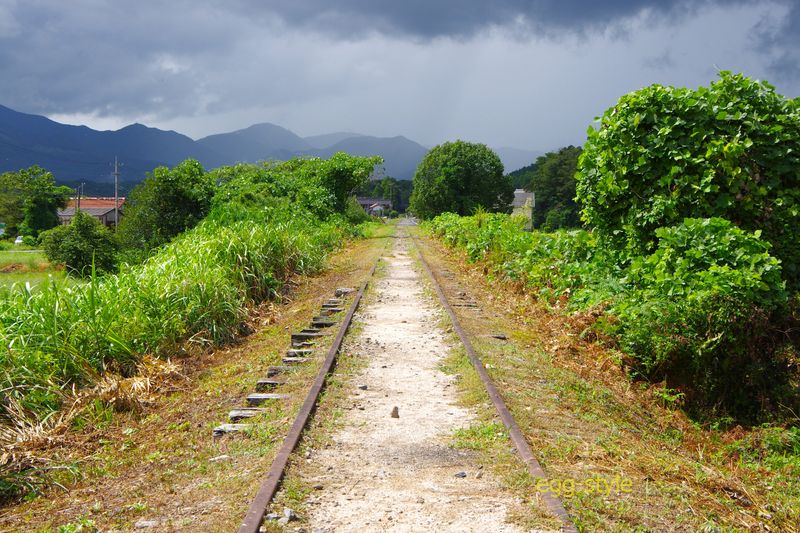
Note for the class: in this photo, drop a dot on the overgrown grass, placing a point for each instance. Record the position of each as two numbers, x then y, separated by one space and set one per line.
197 289
193 292
34 279
706 312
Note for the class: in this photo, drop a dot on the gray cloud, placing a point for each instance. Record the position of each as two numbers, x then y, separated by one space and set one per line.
659 62
529 74
778 38
457 18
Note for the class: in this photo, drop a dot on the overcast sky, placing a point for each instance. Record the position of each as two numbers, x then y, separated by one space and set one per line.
528 74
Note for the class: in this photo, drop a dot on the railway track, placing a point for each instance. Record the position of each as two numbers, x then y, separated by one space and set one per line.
303 344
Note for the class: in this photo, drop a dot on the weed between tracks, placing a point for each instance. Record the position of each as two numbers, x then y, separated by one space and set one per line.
586 421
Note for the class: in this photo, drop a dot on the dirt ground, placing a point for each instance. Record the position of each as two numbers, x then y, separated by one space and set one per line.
386 473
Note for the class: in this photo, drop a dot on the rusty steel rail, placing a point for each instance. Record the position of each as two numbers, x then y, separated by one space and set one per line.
269 486
514 431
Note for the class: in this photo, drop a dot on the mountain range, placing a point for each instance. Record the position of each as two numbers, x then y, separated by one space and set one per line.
77 154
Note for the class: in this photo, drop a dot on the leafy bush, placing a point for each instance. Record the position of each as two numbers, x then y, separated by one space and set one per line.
84 243
662 154
29 240
165 204
701 311
354 213
712 254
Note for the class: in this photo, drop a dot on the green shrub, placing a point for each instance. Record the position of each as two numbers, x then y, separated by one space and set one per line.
700 313
662 154
704 310
712 254
354 213
82 245
168 202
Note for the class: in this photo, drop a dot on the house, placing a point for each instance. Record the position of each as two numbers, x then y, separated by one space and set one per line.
523 205
374 206
100 208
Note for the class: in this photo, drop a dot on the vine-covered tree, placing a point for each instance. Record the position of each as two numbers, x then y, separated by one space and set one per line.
459 177
553 182
662 154
168 202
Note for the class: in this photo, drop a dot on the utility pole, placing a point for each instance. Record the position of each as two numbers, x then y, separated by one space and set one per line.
116 192
80 193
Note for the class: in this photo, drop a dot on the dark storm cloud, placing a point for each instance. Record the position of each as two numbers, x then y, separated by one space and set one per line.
90 56
780 42
164 62
456 18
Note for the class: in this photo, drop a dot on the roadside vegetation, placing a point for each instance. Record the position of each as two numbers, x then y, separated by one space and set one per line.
265 223
587 421
688 266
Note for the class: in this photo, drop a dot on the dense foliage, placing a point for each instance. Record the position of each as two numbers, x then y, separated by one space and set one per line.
459 177
398 191
30 200
168 202
82 246
662 154
701 312
265 223
553 181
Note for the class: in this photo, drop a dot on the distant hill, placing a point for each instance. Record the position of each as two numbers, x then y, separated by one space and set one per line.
401 155
329 139
80 154
258 142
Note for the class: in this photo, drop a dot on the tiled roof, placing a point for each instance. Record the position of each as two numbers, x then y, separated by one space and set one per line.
92 201
94 211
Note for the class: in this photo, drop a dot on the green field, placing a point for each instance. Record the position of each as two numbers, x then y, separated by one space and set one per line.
30 259
25 267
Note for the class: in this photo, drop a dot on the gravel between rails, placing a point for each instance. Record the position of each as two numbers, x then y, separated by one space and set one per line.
398 474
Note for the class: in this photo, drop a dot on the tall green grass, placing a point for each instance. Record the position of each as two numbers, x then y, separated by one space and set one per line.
195 290
267 223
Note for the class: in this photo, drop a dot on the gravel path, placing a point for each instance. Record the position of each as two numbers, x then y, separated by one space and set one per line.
398 474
